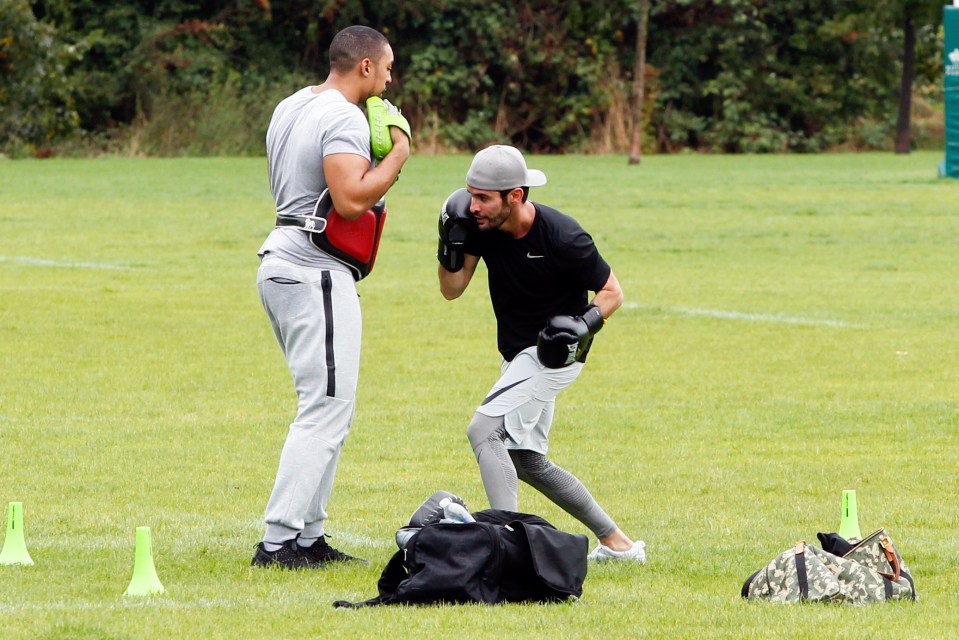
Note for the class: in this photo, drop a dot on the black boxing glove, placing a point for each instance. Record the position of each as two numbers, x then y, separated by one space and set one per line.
558 343
456 223
566 339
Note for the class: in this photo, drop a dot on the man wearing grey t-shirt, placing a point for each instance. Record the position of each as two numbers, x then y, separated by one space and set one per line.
319 139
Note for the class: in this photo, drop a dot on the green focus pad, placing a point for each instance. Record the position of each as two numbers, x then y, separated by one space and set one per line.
382 115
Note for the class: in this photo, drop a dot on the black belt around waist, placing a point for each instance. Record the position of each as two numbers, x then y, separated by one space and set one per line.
313 224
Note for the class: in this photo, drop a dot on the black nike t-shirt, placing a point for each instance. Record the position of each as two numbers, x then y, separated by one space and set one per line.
547 272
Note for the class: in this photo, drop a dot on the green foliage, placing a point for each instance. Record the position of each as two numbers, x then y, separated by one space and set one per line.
786 76
37 106
226 116
725 75
137 53
457 82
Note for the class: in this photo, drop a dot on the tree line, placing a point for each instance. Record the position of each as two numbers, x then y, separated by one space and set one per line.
201 77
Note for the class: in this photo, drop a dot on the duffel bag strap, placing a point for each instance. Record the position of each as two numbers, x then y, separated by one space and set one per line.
890 552
801 576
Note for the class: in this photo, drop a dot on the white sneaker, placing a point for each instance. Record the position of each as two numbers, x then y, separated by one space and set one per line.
637 553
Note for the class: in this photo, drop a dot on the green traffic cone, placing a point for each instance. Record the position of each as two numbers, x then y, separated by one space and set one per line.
14 546
849 523
145 581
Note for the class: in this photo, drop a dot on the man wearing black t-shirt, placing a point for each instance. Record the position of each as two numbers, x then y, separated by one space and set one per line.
541 265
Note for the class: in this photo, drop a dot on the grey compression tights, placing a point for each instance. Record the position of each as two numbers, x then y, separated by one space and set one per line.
501 467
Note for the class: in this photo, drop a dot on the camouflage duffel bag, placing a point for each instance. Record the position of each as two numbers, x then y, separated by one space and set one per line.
869 571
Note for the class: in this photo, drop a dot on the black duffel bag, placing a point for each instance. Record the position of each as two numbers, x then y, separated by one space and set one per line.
502 557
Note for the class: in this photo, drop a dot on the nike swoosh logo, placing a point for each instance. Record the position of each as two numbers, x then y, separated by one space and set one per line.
501 391
531 256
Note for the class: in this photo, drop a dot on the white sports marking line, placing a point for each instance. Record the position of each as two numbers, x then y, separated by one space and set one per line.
65 264
779 318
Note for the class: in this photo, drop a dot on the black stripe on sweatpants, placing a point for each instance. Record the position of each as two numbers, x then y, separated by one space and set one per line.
327 284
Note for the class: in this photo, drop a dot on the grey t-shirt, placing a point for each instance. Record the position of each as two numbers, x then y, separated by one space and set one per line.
305 128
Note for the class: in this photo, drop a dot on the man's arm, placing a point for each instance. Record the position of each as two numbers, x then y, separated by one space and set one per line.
355 186
610 297
452 285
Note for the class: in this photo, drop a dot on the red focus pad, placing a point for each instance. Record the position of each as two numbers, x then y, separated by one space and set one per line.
352 242
356 238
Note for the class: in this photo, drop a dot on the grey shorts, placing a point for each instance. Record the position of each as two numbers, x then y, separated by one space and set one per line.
525 396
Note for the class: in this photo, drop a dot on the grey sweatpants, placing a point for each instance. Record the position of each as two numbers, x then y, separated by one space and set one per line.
315 315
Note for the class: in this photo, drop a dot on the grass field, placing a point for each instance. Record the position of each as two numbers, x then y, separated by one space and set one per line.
790 331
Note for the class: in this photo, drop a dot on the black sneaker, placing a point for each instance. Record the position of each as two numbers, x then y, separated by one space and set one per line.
321 553
289 556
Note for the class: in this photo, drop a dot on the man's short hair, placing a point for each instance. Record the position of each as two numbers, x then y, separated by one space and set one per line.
352 44
504 193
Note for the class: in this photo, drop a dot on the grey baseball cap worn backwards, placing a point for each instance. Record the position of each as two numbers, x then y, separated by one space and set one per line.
502 167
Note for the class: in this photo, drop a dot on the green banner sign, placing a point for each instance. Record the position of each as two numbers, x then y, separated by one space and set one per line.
950 21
